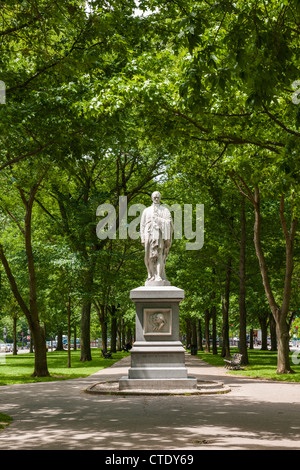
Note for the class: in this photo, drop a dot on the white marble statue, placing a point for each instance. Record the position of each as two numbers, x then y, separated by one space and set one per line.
156 236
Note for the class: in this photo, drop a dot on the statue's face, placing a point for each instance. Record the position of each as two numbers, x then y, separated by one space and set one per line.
156 197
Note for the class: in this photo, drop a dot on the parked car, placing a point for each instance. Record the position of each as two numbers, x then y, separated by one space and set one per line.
6 347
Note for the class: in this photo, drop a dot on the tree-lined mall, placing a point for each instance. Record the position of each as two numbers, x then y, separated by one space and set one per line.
192 99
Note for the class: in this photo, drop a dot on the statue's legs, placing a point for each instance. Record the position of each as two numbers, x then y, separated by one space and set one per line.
155 259
158 271
149 262
159 262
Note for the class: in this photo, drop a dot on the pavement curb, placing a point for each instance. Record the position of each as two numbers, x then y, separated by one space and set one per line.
204 387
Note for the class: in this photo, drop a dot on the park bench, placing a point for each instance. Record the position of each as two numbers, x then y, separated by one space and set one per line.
106 354
234 362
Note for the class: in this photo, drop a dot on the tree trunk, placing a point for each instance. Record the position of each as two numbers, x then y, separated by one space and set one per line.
15 349
31 313
69 331
206 330
59 344
113 329
199 335
41 369
102 315
31 343
213 314
123 334
264 332
85 322
273 333
75 337
129 336
104 334
279 313
194 333
40 354
85 340
225 311
188 333
283 357
242 293
119 335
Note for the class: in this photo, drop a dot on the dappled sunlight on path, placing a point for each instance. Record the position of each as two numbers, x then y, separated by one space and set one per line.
60 415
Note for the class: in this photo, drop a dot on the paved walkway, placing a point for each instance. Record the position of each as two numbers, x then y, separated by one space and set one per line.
256 414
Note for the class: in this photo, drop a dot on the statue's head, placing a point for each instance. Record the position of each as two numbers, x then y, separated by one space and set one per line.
156 197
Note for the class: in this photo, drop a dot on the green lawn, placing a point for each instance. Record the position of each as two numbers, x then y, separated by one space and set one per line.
18 369
5 420
262 364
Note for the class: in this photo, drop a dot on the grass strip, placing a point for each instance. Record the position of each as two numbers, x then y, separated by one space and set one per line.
5 420
18 369
262 364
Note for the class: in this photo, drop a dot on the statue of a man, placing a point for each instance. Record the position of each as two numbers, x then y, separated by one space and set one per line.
156 235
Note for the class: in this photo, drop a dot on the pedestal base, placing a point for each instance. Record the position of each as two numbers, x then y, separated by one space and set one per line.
157 365
171 385
157 357
157 360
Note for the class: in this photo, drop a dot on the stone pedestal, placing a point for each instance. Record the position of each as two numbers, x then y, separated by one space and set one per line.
158 356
